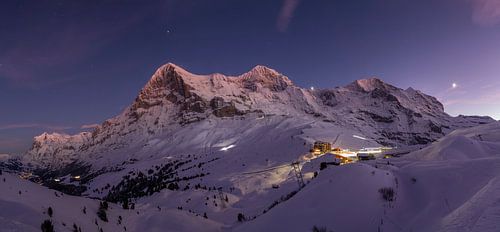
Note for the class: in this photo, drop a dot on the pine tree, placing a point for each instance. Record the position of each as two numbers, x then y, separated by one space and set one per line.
101 213
104 205
241 217
319 229
125 203
50 212
47 226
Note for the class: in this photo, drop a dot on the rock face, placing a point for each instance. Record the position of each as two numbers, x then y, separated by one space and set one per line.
175 98
401 116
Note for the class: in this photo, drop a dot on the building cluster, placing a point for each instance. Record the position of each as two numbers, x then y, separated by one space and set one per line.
345 155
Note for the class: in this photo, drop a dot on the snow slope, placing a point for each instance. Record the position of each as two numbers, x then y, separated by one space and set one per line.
452 185
342 198
24 207
464 144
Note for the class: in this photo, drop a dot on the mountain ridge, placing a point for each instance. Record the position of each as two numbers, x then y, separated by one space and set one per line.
174 97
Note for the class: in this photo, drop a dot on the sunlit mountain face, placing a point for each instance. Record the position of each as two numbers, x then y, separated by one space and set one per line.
284 115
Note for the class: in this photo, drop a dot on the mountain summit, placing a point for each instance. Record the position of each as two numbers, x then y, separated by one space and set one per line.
369 84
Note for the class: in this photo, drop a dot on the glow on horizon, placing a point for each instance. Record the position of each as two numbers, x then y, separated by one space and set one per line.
477 97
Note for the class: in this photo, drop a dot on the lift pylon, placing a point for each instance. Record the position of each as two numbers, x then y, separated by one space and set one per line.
298 174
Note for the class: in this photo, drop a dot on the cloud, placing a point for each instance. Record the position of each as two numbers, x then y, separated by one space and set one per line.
490 86
34 125
286 14
4 157
89 126
13 146
483 99
486 12
473 94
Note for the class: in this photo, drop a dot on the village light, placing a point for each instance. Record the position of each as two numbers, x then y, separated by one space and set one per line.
74 178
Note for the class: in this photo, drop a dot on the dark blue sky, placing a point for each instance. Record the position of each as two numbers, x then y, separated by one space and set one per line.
64 64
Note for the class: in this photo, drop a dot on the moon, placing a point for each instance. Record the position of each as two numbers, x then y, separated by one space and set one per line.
454 85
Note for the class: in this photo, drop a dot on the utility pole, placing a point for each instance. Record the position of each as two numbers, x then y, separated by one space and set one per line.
298 174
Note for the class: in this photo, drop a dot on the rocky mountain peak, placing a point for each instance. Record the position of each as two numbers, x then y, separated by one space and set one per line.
263 71
369 84
266 77
165 75
169 81
50 136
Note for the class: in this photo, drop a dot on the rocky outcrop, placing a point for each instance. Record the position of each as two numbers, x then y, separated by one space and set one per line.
224 109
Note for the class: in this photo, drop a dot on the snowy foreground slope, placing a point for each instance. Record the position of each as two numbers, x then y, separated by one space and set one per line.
215 152
452 185
24 207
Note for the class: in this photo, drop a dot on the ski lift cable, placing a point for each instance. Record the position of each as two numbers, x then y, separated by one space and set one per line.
271 168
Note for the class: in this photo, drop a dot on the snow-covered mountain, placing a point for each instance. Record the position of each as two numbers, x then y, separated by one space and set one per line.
174 98
219 148
58 148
